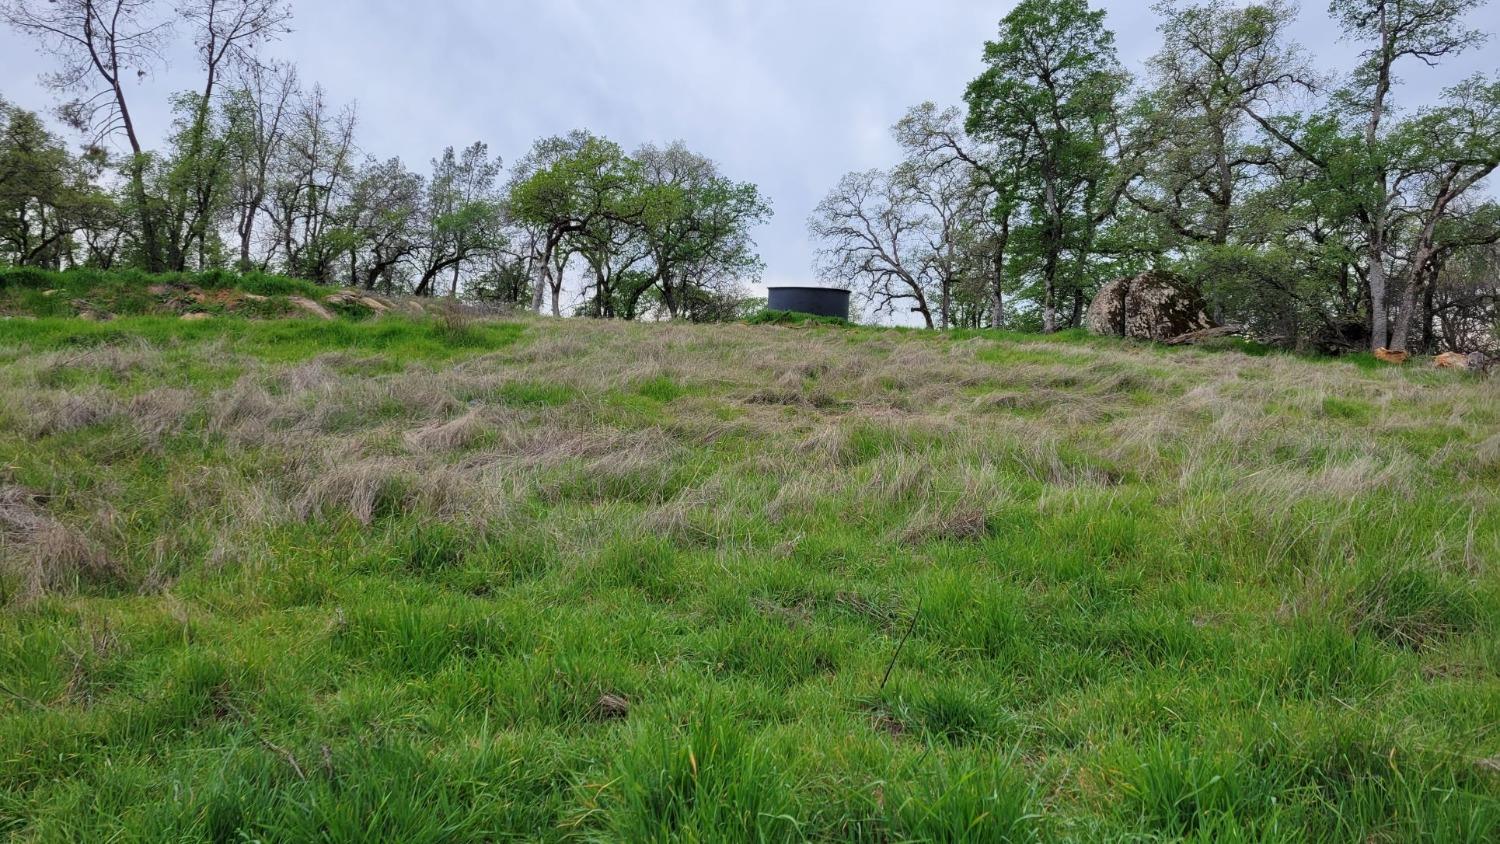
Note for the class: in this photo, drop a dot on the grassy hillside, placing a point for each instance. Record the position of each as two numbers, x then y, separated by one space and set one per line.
447 581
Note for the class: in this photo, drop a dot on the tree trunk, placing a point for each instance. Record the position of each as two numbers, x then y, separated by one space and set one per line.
1224 200
247 226
997 295
670 300
1401 332
149 243
1379 325
1049 267
1375 252
1429 316
539 275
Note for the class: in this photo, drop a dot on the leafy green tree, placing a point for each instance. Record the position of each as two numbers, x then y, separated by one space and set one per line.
190 186
226 36
461 216
1204 166
309 187
259 109
613 249
507 281
1443 153
384 207
695 225
563 187
1049 90
1197 150
1356 148
99 46
46 194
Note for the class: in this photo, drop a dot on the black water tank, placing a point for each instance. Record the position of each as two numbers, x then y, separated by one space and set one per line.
818 301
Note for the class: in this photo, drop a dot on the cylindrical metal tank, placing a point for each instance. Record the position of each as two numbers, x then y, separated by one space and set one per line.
818 301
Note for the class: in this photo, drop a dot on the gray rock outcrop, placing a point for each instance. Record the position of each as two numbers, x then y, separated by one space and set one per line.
1152 306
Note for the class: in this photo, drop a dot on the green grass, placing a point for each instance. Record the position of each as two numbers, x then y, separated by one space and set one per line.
390 579
268 340
767 316
83 281
105 294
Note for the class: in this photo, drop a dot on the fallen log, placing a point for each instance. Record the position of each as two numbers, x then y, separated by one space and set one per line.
1205 334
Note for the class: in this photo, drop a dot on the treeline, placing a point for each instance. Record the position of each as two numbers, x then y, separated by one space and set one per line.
1313 210
260 172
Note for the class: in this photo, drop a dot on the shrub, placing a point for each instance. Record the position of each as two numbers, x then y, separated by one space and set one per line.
27 278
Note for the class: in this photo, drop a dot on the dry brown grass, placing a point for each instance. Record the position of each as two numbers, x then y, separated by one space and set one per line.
42 553
807 420
453 435
61 412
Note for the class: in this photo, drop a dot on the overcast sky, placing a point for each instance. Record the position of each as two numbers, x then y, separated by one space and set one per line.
789 94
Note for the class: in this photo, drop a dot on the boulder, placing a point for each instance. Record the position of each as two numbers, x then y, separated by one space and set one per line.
311 307
350 297
1151 306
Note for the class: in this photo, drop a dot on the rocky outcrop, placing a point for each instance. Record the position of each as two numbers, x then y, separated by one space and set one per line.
351 298
311 307
1152 306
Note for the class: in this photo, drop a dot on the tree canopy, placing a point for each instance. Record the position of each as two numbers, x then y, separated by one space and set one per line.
1315 211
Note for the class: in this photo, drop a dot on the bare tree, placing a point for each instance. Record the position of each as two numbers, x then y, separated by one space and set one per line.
227 33
936 140
259 109
226 36
313 177
951 207
875 236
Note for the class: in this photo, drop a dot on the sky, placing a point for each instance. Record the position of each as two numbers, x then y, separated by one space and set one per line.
789 95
